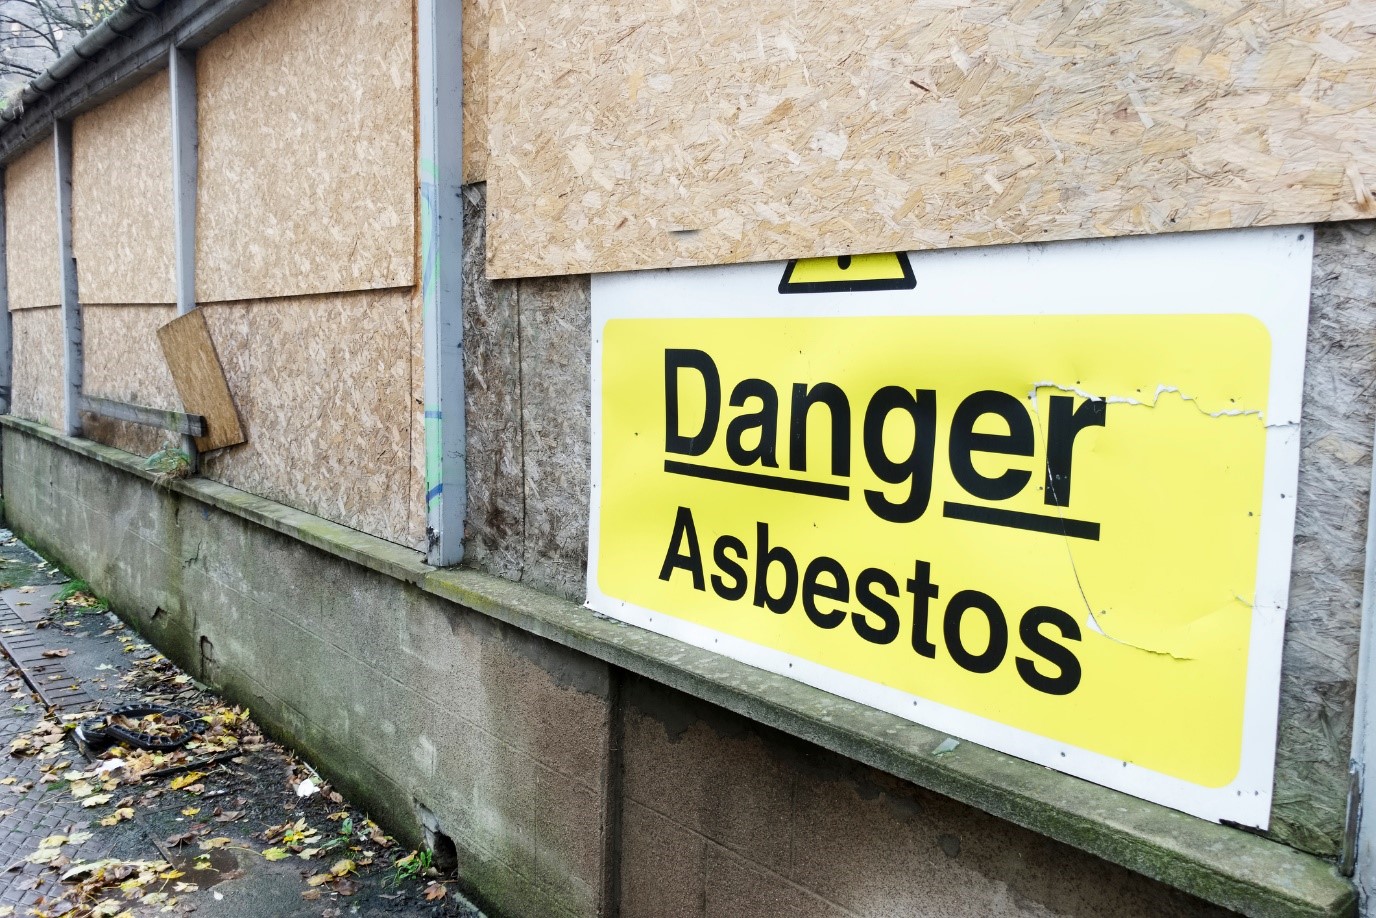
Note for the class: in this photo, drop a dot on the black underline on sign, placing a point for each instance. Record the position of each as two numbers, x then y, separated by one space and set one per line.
1014 519
756 480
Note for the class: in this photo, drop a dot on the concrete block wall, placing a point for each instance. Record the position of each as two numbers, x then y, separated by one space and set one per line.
722 816
409 703
567 786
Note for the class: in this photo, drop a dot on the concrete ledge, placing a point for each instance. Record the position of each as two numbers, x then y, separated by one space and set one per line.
1231 868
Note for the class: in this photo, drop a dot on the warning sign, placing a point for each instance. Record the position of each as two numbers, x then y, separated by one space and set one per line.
1038 497
848 274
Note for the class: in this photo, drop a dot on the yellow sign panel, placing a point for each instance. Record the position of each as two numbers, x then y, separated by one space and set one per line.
919 517
1035 530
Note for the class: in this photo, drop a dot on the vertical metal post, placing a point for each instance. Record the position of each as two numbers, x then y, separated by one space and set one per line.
6 330
71 307
441 230
181 69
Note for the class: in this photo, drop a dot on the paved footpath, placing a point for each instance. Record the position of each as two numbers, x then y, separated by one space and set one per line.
232 826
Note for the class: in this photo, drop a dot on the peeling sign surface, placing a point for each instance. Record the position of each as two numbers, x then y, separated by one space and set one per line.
1040 497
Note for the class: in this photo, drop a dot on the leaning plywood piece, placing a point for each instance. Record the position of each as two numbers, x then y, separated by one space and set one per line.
642 135
200 379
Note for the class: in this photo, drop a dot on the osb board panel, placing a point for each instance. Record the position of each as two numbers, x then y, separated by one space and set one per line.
307 156
476 15
35 275
201 383
122 214
37 372
323 385
642 135
122 361
1319 667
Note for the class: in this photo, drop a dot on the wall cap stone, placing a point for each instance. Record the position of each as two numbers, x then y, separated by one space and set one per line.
1229 867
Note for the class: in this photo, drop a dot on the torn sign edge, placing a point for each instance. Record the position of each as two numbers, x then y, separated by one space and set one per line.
1264 273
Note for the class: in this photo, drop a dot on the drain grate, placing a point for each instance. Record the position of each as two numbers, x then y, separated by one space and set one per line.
49 677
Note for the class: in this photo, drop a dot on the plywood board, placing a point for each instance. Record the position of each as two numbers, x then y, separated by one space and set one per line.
37 372
122 360
195 368
35 278
122 198
307 160
629 136
476 15
324 389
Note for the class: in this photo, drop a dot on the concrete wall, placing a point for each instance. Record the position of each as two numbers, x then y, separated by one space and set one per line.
568 787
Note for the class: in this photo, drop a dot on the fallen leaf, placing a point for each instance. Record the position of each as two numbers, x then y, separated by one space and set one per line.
191 811
345 887
276 854
118 816
434 892
181 838
342 867
319 879
186 780
97 800
53 841
63 652
310 895
212 843
44 855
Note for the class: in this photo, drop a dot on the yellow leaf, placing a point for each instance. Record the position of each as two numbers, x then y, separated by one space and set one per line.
44 855
97 800
191 811
320 879
186 780
276 854
342 867
212 843
53 841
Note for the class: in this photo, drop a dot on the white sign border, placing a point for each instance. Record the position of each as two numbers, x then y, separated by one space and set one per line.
1269 269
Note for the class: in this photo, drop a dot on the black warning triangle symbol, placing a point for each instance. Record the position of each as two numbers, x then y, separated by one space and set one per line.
848 274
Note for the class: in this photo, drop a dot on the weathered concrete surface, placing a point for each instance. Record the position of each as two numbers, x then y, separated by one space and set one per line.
403 699
724 817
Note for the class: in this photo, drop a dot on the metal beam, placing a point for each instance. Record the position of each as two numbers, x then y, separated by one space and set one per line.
440 77
71 307
181 69
6 329
192 425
